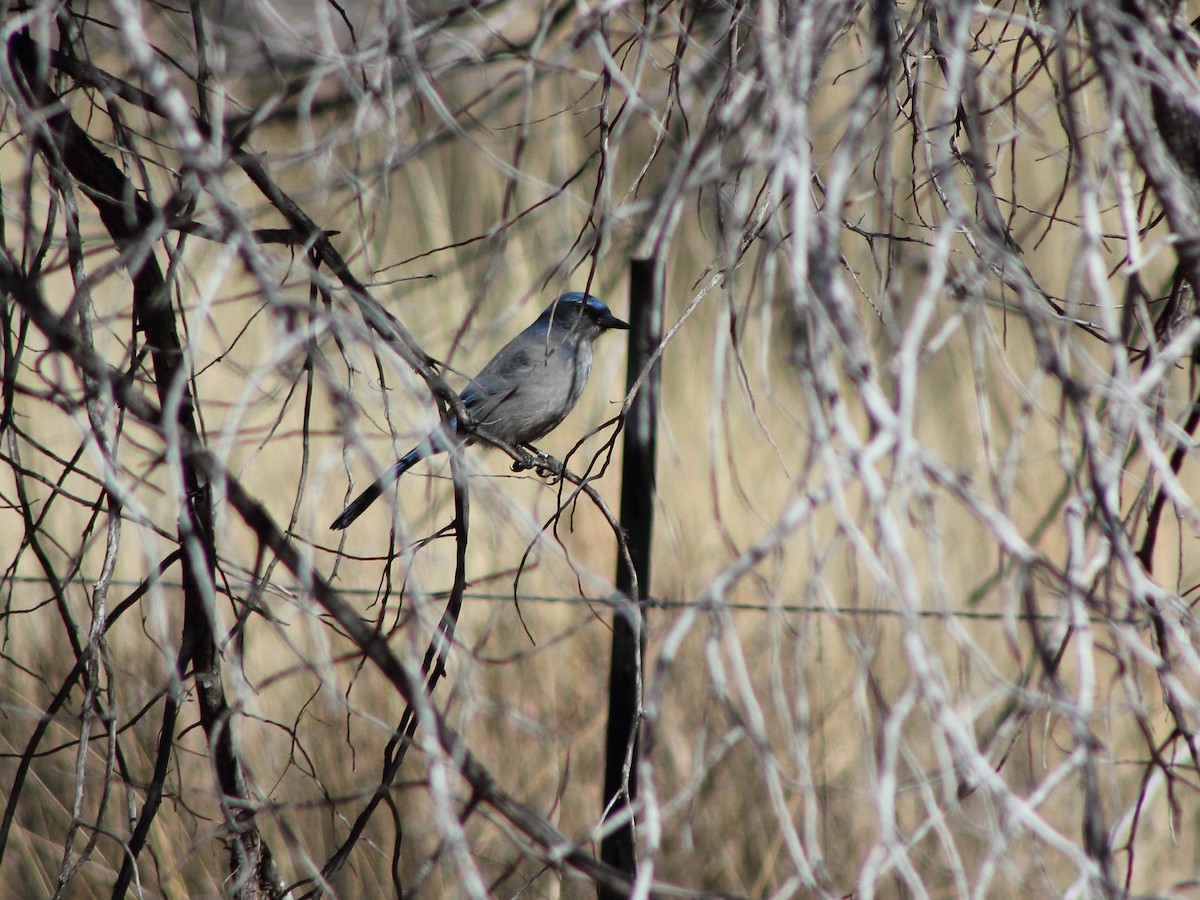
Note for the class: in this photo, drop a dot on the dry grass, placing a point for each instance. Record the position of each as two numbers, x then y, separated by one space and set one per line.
851 676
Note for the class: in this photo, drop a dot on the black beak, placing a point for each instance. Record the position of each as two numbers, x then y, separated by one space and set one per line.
613 322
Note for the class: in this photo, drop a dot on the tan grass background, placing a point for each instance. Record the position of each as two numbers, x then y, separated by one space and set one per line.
790 710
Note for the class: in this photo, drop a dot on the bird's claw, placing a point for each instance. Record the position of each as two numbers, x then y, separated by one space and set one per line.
546 467
542 464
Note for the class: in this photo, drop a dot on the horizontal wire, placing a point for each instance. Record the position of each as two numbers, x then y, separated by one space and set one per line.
665 604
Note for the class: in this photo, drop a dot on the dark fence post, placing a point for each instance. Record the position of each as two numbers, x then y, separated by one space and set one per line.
637 521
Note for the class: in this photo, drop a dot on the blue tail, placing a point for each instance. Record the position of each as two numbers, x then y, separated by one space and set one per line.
360 503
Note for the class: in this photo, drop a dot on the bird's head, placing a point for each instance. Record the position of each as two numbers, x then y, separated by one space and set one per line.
577 311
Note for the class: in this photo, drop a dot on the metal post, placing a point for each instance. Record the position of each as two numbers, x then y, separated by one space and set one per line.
637 521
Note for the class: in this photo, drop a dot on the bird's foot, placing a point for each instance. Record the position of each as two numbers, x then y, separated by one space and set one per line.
547 467
535 459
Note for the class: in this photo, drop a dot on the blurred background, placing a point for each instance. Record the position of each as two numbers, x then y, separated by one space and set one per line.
920 614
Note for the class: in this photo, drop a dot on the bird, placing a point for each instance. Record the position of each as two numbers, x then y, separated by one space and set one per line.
525 390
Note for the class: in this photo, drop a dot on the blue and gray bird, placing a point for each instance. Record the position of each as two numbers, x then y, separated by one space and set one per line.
526 390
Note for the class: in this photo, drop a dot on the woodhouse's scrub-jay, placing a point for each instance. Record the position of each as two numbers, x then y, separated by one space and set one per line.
524 392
